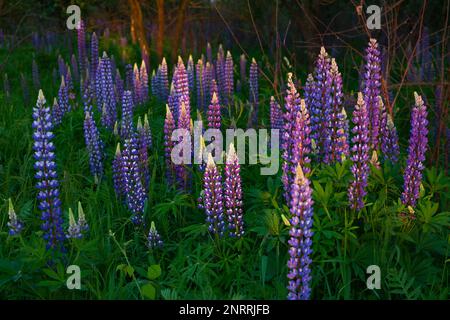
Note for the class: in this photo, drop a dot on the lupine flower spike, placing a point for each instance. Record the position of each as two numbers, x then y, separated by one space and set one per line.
212 198
276 115
233 194
389 138
360 155
417 148
94 146
169 127
254 91
119 173
300 241
47 178
82 223
15 225
154 239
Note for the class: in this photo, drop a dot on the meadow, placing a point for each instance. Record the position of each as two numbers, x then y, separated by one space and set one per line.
152 239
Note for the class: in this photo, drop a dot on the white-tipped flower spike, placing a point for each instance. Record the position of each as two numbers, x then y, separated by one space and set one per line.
210 163
231 155
374 160
41 97
299 176
116 129
139 124
74 231
15 225
104 55
82 223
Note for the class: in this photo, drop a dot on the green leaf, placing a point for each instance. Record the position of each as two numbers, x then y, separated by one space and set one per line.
149 291
154 271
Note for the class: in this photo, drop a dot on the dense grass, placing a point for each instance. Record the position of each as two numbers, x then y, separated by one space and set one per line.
115 261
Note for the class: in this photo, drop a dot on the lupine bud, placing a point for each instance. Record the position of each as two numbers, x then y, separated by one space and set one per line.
14 224
190 74
94 146
360 155
233 194
62 105
418 143
45 166
300 241
212 198
137 97
243 68
199 70
82 223
154 239
74 230
143 154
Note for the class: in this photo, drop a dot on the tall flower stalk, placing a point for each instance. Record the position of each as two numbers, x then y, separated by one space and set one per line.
126 125
229 79
300 241
212 198
46 176
254 91
418 143
372 89
94 146
233 194
169 127
360 155
276 115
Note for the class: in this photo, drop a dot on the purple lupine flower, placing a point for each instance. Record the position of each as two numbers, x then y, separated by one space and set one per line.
135 194
184 122
137 97
228 78
208 86
62 107
212 198
14 224
119 86
339 144
169 127
74 230
164 81
147 133
35 73
181 88
69 86
126 124
98 85
389 138
94 56
300 241
143 75
254 91
190 74
154 239
220 72
295 140
45 166
142 141
418 143
360 155
107 92
74 65
171 101
118 173
243 68
372 89
321 108
94 146
199 71
309 92
81 41
214 113
233 194
276 115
